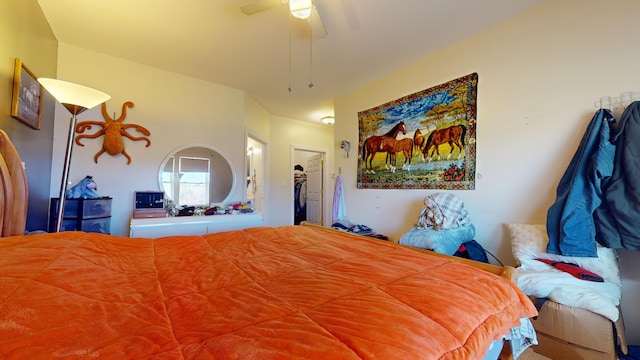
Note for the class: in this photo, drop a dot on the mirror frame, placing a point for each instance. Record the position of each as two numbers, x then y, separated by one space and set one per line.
214 150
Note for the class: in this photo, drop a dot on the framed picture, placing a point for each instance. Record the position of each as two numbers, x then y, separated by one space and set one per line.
26 104
425 140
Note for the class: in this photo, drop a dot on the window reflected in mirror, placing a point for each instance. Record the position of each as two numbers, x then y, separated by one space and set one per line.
196 176
189 183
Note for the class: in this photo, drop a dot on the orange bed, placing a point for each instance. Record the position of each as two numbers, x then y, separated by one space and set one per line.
294 292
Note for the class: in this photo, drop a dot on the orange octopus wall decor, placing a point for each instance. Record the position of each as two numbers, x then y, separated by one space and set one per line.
113 130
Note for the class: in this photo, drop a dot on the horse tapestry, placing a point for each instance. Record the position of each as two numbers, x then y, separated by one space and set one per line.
425 140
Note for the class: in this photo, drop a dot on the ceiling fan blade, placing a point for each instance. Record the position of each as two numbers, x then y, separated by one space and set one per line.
317 25
260 5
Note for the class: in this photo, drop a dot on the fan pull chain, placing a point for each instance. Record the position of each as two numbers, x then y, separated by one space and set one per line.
290 31
310 52
310 85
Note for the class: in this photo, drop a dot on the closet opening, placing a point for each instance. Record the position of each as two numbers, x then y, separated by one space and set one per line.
308 169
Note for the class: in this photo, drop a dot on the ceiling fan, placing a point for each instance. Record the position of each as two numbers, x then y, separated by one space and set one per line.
303 9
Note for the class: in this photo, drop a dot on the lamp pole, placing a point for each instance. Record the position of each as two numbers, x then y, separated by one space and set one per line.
75 110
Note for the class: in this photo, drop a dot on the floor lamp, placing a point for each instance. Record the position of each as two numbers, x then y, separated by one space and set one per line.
75 98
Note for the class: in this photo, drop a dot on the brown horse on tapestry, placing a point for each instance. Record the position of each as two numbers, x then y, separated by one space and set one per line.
453 135
393 146
418 140
373 144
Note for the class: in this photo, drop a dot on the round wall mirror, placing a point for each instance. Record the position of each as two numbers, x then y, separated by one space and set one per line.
196 175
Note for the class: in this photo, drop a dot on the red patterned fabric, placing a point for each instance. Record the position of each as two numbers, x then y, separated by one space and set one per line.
270 293
574 270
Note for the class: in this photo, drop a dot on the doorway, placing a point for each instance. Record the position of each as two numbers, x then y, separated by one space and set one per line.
256 176
308 185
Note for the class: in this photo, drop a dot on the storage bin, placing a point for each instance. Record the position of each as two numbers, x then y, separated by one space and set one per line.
67 225
78 212
97 225
83 208
95 208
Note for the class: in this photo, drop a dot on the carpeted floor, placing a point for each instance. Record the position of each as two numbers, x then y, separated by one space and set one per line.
634 353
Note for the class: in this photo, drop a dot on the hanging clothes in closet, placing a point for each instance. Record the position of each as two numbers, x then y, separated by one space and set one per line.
300 194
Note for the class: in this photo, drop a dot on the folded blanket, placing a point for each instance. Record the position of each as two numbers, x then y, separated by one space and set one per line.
445 241
443 211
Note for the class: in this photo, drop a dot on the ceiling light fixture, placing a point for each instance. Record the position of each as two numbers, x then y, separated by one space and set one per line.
328 120
300 8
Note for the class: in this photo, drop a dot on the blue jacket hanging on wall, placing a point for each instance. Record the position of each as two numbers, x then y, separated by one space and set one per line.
570 223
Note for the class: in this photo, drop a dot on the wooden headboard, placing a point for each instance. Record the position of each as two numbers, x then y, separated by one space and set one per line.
13 187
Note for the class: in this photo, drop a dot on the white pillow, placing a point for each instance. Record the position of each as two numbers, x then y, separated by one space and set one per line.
529 241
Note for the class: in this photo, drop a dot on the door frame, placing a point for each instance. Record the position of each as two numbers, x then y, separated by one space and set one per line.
326 214
265 170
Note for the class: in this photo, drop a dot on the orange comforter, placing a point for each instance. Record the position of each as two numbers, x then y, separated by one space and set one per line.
265 293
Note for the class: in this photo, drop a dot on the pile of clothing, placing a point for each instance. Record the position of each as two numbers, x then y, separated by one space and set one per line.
359 229
346 225
444 226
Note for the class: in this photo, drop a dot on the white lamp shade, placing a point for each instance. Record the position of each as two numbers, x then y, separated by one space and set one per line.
73 94
300 8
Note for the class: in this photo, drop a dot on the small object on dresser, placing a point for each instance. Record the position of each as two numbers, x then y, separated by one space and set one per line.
149 204
186 211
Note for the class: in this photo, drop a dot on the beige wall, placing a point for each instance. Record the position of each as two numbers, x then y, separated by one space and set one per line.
177 110
25 34
257 119
539 76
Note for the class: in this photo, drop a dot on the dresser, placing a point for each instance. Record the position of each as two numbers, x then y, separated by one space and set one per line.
89 215
192 225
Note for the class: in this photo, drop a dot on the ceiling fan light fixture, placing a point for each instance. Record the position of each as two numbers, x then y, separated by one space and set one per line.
300 8
329 120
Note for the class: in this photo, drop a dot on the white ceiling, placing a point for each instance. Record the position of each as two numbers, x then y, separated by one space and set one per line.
212 40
